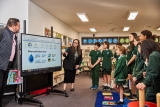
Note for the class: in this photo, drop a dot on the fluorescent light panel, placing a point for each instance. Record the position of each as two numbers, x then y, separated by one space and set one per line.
132 15
125 28
93 29
158 28
83 17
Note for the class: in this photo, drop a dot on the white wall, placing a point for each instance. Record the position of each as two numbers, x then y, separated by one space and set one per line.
14 9
108 34
39 18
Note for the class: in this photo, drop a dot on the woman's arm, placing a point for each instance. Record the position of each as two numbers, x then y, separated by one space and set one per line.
65 54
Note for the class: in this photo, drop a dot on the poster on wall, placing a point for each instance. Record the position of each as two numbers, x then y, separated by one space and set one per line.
58 35
47 32
124 40
93 40
157 39
64 40
70 39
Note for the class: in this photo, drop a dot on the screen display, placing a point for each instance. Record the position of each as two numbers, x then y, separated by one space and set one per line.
40 54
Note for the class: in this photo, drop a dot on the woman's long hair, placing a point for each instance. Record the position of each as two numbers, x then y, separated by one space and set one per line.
78 47
148 46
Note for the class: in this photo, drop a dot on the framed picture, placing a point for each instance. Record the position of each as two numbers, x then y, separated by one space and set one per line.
157 39
58 35
70 40
64 40
47 32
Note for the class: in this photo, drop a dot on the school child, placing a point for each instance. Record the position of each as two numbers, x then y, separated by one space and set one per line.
115 54
120 73
106 65
131 56
95 58
139 66
151 51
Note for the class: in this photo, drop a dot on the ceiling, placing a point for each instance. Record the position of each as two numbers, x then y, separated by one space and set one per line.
102 12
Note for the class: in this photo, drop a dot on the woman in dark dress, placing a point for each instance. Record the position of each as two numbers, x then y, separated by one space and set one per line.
72 61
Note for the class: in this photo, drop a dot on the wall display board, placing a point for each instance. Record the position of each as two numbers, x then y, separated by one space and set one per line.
92 40
124 40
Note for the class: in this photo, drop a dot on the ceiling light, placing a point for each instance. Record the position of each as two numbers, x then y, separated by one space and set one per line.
83 17
93 29
125 28
132 15
158 28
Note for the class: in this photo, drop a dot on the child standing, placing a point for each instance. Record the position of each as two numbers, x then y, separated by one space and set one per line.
106 65
120 74
115 54
95 58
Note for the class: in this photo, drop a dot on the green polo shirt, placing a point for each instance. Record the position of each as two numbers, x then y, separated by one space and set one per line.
130 55
94 55
107 62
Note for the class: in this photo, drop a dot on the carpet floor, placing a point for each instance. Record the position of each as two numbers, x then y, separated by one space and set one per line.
83 97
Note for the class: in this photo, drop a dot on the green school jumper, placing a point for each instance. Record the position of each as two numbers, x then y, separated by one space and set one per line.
138 70
152 77
129 56
120 73
95 71
107 61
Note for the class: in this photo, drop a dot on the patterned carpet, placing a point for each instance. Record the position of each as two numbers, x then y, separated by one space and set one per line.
83 97
109 100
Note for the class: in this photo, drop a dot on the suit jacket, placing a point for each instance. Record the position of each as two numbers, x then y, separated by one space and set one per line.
69 61
6 38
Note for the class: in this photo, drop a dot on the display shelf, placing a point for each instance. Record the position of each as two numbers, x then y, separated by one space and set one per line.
58 77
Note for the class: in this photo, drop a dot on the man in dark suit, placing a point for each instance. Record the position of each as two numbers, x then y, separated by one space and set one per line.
7 51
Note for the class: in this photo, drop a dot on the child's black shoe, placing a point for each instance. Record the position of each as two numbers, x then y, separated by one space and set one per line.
119 102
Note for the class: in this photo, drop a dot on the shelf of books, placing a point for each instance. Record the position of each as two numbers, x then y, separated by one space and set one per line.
58 77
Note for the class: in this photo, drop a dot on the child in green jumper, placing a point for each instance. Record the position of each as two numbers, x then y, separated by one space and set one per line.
106 65
95 58
120 73
115 54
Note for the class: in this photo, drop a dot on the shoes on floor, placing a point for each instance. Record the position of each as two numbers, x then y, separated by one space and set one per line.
131 97
72 89
96 87
92 87
134 96
105 88
119 102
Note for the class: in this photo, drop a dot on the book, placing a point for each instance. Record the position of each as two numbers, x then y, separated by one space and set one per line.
108 97
106 93
108 103
126 94
13 77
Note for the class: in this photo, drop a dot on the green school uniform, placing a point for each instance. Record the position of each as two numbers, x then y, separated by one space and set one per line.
107 61
152 77
138 70
129 56
138 67
120 73
95 71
